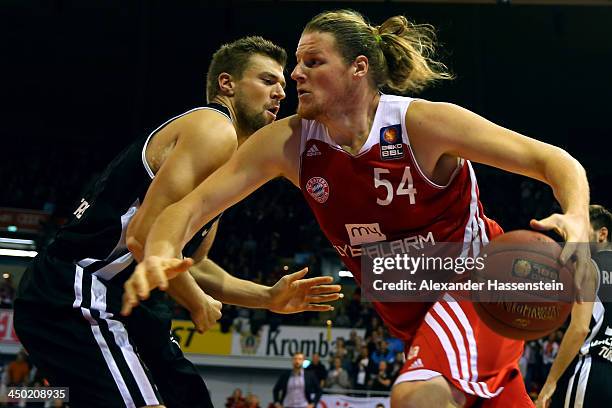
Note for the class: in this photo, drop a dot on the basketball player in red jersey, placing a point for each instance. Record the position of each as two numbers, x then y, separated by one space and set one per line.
396 168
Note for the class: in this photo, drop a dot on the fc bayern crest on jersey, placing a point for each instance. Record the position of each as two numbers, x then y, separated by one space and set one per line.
318 188
391 146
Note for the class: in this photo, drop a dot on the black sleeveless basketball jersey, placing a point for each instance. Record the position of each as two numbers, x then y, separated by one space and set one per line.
87 262
599 341
587 382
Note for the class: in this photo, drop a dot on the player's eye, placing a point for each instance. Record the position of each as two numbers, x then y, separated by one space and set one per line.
311 63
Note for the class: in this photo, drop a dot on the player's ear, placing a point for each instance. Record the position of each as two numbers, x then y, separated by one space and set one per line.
603 234
361 66
226 84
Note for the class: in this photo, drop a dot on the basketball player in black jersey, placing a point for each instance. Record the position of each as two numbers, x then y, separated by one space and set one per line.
67 311
581 375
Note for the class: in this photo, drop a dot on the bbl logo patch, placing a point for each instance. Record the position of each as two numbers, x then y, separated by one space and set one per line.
391 147
318 189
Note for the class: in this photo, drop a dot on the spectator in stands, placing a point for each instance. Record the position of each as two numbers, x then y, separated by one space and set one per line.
18 371
297 388
396 366
382 381
242 323
340 352
318 369
373 325
252 401
338 378
7 292
383 353
236 400
395 345
362 369
353 345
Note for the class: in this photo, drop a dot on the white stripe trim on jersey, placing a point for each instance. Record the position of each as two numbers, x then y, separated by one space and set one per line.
483 229
144 148
417 375
98 295
125 220
311 129
451 357
108 357
78 280
456 171
466 380
480 222
84 263
570 384
469 335
78 286
480 387
468 235
460 161
120 334
477 225
598 312
476 236
457 336
112 269
583 379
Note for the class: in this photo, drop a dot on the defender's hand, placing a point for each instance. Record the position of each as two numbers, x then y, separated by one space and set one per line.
292 294
207 313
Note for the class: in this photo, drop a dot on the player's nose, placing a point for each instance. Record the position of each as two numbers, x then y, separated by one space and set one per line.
278 93
297 74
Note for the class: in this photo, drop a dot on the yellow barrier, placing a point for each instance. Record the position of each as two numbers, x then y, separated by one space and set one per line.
211 342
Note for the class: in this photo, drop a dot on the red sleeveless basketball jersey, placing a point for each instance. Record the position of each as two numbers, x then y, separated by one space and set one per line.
381 194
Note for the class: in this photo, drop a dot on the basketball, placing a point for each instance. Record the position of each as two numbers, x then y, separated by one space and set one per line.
519 259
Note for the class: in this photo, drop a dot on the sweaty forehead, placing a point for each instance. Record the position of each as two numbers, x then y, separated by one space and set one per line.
315 43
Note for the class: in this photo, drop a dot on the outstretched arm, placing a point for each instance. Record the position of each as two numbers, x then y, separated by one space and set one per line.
291 294
270 152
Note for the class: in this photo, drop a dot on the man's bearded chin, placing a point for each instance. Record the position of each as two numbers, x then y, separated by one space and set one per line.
248 119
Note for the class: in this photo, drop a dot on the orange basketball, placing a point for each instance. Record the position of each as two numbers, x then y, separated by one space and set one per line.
520 259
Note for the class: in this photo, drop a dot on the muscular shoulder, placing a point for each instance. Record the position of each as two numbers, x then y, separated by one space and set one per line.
202 130
207 123
422 112
439 122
